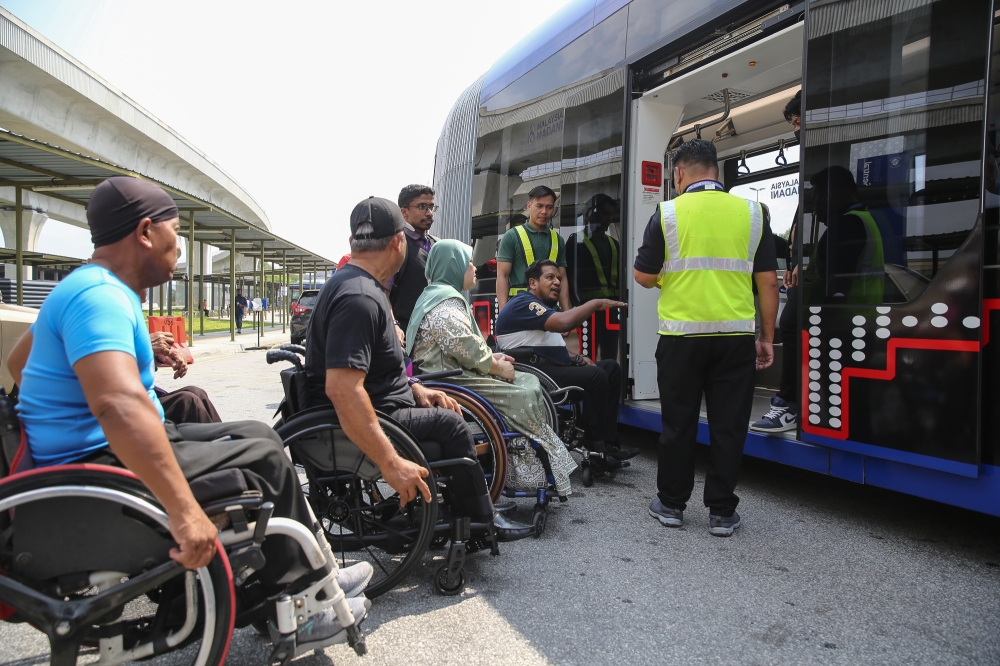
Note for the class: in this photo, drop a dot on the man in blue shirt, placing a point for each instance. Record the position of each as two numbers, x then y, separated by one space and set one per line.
86 394
530 329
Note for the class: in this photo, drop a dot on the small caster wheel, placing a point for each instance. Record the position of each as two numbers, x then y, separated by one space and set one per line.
587 475
441 582
538 520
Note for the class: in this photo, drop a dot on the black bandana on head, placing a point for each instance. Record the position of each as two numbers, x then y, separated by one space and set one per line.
119 204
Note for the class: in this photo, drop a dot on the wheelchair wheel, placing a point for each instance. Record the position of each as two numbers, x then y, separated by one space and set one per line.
359 511
491 448
115 594
562 418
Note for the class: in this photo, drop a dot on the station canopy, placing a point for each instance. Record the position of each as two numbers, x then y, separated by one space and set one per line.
61 174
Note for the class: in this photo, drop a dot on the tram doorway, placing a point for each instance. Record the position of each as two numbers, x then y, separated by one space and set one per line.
737 101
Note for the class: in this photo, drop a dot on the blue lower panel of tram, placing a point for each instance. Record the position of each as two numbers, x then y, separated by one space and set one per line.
958 488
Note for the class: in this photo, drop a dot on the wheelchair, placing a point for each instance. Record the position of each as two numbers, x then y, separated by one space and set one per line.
84 558
564 413
360 512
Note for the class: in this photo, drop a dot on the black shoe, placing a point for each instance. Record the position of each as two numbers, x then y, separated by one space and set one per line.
505 505
508 530
617 452
605 463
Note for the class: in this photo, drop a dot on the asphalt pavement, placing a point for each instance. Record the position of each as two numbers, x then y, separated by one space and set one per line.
822 571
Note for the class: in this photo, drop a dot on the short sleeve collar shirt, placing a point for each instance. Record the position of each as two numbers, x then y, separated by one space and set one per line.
522 324
512 251
352 327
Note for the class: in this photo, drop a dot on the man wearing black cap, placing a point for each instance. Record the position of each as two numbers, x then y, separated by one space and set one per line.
354 361
87 396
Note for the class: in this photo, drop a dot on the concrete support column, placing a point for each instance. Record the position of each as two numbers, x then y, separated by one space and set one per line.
191 255
232 286
31 223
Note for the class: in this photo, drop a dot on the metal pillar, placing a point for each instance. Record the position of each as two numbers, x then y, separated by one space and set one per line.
263 294
302 278
161 301
18 249
190 279
284 284
201 285
170 298
232 286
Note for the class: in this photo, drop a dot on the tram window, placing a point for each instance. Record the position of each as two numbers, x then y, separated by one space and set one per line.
894 113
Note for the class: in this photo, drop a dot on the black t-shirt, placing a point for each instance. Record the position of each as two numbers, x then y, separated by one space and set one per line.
651 254
351 327
241 301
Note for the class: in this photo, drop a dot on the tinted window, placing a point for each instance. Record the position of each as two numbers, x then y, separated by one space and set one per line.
596 51
308 299
894 112
650 21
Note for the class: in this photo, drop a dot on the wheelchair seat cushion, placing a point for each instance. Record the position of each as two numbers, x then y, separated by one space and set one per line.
218 485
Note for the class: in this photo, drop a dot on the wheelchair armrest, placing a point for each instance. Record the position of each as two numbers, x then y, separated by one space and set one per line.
560 396
431 376
468 462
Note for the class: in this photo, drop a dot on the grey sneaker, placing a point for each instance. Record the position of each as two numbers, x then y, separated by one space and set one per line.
354 579
666 516
723 526
324 628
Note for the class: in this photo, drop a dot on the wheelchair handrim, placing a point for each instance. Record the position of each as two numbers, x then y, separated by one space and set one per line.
157 515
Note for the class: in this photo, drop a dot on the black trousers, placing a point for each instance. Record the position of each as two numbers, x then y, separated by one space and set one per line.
443 434
256 449
188 405
722 368
791 344
602 390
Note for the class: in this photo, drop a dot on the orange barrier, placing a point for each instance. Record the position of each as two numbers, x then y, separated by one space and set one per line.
176 327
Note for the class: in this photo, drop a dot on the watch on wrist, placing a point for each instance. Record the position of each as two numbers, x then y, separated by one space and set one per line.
412 381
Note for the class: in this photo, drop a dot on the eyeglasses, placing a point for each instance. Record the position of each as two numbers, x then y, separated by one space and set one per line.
423 208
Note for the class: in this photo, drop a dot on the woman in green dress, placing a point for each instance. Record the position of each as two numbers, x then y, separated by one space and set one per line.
443 335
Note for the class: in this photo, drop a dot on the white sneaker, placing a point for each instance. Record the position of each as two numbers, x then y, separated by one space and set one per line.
781 417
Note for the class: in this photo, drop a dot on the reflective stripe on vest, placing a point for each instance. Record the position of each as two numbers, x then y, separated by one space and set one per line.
708 263
529 252
608 288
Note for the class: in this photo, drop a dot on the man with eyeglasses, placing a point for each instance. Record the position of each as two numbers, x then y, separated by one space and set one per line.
417 204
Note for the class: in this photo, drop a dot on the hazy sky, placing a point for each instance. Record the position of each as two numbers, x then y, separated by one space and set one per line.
311 106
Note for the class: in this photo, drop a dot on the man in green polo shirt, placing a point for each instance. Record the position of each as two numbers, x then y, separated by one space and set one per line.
525 244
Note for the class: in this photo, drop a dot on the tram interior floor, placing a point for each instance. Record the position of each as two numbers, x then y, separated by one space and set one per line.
761 404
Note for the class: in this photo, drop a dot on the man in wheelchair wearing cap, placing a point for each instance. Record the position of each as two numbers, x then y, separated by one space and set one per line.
86 396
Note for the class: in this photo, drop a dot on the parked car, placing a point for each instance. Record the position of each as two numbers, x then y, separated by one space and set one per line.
301 313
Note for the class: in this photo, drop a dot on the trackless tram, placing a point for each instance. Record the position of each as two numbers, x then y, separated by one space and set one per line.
900 390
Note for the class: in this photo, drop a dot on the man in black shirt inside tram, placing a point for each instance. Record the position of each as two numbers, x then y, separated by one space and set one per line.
354 360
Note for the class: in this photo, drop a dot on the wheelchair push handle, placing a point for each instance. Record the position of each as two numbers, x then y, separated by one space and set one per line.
432 376
278 355
298 349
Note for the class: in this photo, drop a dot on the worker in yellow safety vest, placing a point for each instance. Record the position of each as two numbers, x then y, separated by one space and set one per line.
705 250
592 258
848 262
526 243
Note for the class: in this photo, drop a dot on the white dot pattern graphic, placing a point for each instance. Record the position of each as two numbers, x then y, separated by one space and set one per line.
835 343
882 321
883 310
882 333
858 344
939 308
971 322
909 322
939 322
858 332
815 319
859 321
858 356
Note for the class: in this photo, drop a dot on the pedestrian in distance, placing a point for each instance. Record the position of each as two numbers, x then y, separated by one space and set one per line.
707 325
241 309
